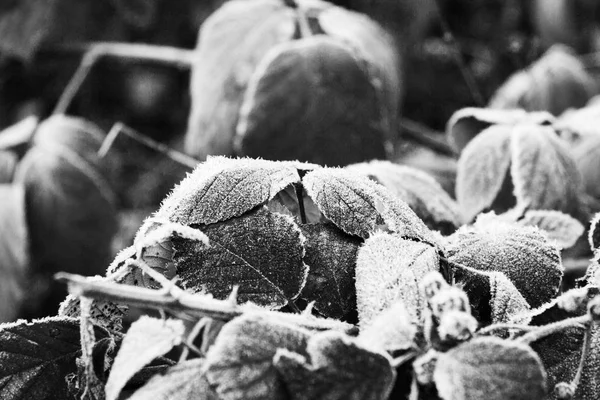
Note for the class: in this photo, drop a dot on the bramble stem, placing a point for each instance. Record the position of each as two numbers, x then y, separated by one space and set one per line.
585 350
426 137
547 330
496 327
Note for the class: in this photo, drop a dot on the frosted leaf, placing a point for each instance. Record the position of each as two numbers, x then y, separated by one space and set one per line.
391 330
331 257
240 366
231 43
286 202
523 254
312 100
560 228
221 188
103 313
261 251
594 232
359 206
490 368
544 174
388 269
468 122
181 381
418 189
335 368
555 82
482 170
146 339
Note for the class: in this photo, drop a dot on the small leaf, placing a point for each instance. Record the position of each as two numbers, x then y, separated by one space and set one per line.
261 251
561 228
36 356
482 170
182 381
331 257
223 188
146 339
492 369
240 363
391 330
523 254
388 269
335 368
105 314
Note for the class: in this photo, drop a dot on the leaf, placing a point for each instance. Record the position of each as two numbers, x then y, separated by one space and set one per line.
467 123
105 314
358 206
391 330
240 363
594 232
388 269
554 83
146 339
418 189
331 258
14 252
561 228
544 174
262 252
482 169
223 188
36 356
492 369
71 208
232 42
182 381
335 368
17 137
334 117
523 254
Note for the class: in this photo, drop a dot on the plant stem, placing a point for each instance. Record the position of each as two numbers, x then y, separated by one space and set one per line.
176 300
425 136
495 327
547 330
300 197
585 350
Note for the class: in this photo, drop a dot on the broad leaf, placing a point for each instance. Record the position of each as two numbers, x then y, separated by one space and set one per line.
262 252
240 363
36 356
331 257
388 269
391 330
14 252
418 189
523 254
223 188
231 43
182 381
146 339
482 170
492 369
313 100
359 206
336 368
561 228
544 174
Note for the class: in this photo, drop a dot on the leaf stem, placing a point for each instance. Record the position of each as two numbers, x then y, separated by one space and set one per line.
550 329
585 350
398 361
426 137
495 327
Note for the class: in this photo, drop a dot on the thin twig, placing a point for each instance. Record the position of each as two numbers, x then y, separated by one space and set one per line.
550 329
464 69
177 57
585 351
495 327
426 136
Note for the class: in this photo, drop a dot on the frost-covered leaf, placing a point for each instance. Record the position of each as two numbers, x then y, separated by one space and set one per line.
261 251
14 251
182 381
482 170
146 339
71 208
418 189
312 100
468 122
523 254
240 363
554 83
232 42
492 369
105 314
331 257
561 228
335 368
36 356
391 330
388 269
359 206
223 188
543 172
594 232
